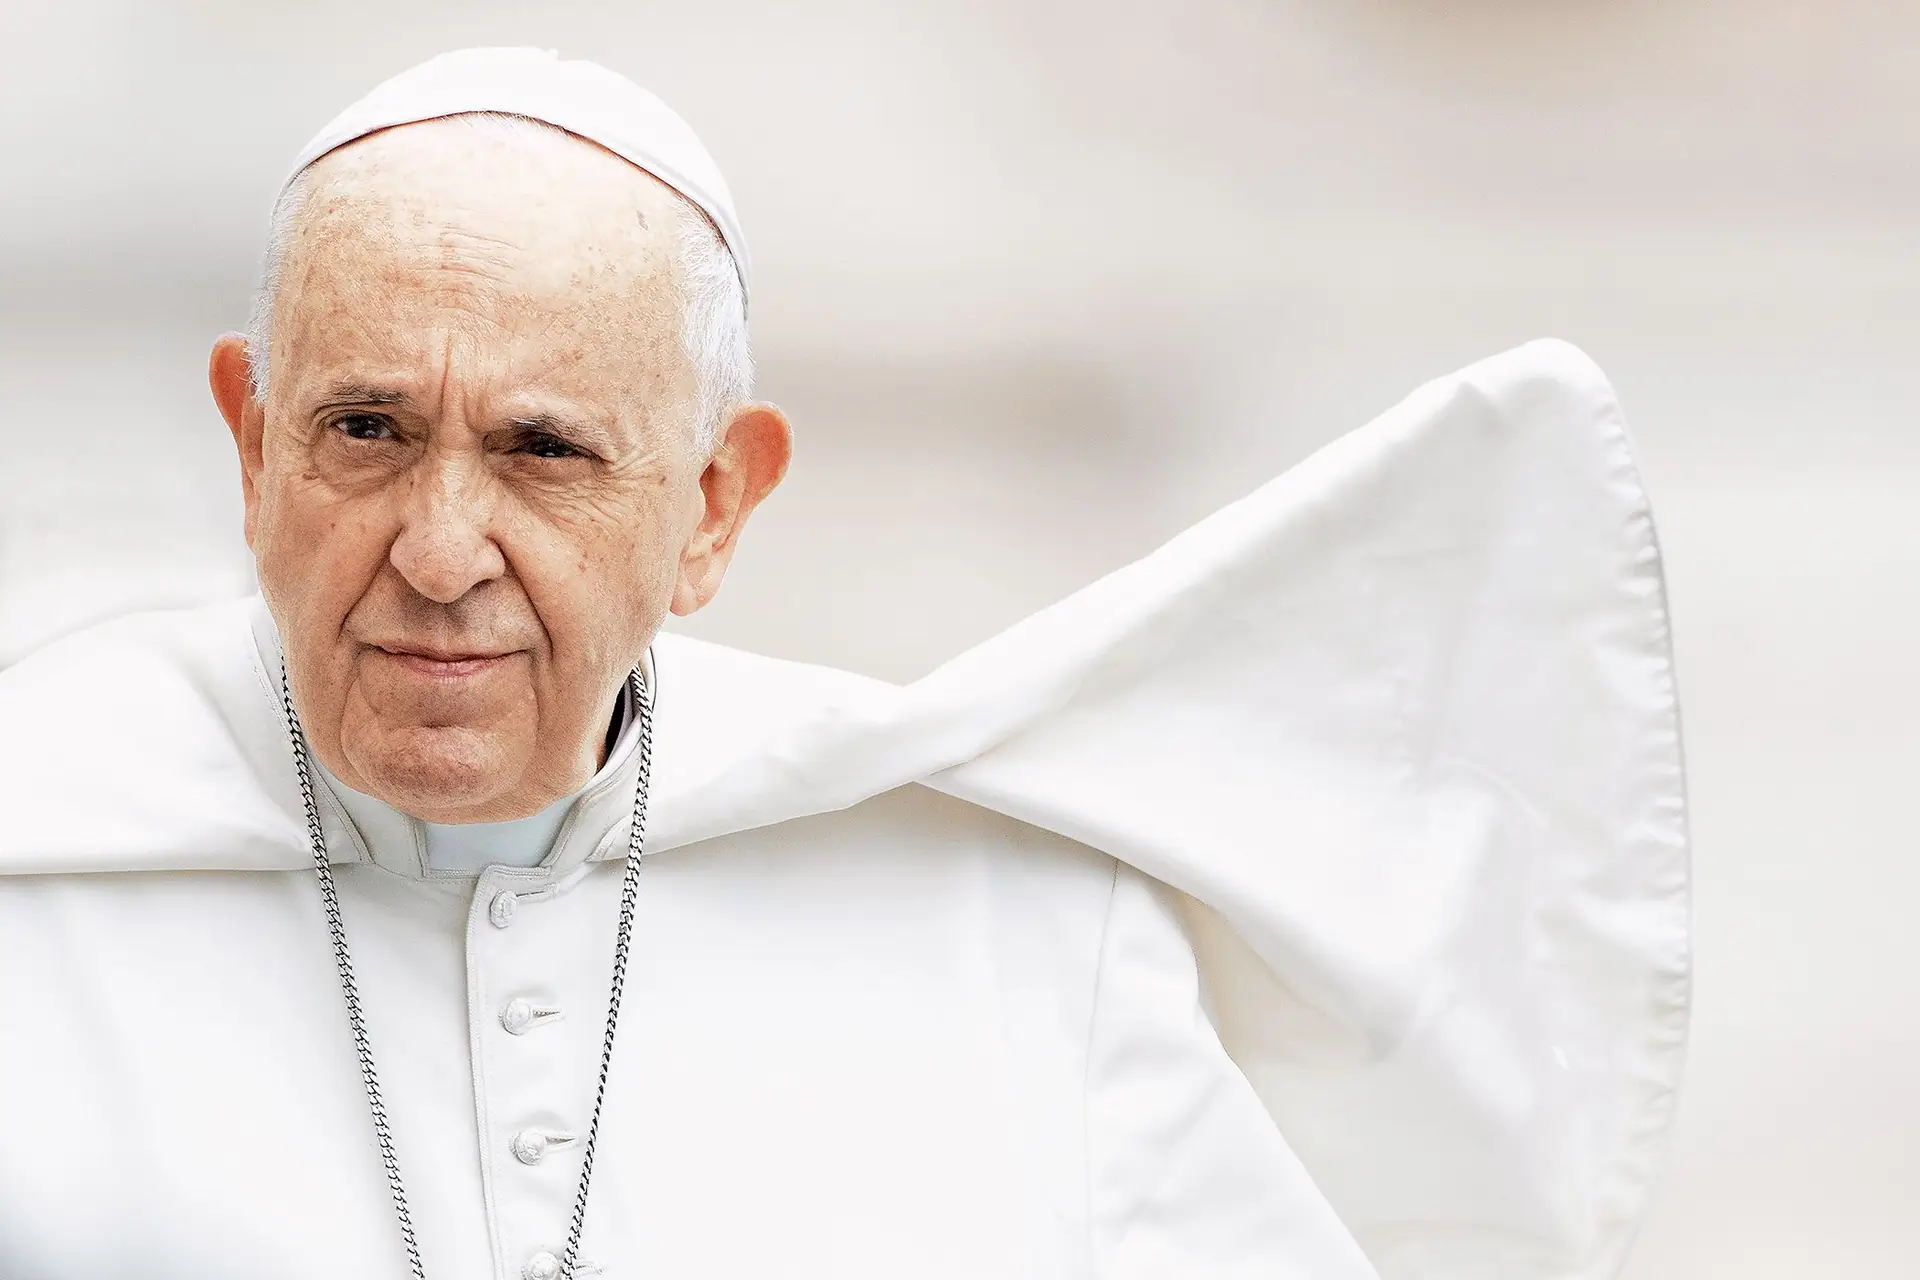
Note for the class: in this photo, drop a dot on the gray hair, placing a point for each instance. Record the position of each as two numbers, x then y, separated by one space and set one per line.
713 304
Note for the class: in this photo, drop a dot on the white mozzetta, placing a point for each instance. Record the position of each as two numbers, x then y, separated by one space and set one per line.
1307 899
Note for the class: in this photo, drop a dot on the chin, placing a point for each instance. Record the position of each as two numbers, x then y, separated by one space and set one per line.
440 774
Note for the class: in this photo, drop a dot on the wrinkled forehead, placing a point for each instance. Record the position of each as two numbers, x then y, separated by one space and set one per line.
525 239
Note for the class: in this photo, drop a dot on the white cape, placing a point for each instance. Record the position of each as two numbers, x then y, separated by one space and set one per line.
1400 728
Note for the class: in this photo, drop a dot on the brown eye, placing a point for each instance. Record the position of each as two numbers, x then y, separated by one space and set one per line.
363 426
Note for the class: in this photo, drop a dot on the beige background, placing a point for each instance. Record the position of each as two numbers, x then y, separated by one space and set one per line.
1043 282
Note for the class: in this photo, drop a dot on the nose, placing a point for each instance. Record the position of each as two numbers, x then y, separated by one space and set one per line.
445 546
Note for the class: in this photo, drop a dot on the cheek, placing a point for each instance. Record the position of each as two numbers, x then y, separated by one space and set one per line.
608 589
316 552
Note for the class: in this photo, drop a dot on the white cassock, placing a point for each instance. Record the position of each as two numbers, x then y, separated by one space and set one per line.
1308 899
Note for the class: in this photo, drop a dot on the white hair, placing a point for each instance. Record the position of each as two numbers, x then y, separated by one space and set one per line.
713 304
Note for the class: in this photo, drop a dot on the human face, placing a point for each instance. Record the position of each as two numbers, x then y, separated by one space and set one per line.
472 489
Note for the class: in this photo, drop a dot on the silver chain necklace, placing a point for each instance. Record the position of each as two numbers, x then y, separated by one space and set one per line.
343 961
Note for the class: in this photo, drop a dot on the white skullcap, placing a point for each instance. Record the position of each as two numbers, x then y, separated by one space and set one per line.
583 98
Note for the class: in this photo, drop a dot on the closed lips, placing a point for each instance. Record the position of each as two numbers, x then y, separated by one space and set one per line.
436 663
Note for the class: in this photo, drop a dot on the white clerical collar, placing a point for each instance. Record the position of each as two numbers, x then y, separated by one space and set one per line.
470 848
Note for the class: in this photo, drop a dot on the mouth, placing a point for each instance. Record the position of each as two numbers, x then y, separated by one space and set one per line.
442 664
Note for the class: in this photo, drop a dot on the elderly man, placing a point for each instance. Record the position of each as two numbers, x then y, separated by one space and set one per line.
1305 900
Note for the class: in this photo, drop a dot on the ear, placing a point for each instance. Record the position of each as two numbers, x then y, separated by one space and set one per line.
751 459
230 375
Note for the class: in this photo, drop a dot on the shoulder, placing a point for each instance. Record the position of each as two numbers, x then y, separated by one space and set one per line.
140 743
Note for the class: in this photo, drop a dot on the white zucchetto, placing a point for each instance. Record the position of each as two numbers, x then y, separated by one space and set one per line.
583 98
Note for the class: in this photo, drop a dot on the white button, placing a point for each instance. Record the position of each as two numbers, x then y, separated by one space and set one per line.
517 1016
502 909
541 1266
529 1146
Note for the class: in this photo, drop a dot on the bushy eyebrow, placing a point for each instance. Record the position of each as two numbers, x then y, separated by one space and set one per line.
363 393
548 423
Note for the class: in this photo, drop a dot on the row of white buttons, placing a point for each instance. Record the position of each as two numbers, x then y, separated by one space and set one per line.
529 1146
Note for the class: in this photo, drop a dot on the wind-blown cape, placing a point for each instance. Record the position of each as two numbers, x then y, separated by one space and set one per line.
1401 726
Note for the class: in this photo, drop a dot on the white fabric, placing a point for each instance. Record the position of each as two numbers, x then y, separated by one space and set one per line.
1307 899
583 98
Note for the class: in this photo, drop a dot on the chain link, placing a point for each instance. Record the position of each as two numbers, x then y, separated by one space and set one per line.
356 1018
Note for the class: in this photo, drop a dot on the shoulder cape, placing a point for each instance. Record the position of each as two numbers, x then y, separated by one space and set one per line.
1401 725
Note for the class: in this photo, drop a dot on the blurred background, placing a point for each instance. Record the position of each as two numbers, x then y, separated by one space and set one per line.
1042 282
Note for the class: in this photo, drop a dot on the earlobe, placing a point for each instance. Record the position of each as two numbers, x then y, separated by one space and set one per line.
688 597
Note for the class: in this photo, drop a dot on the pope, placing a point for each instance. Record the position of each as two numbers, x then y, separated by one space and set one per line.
1308 899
